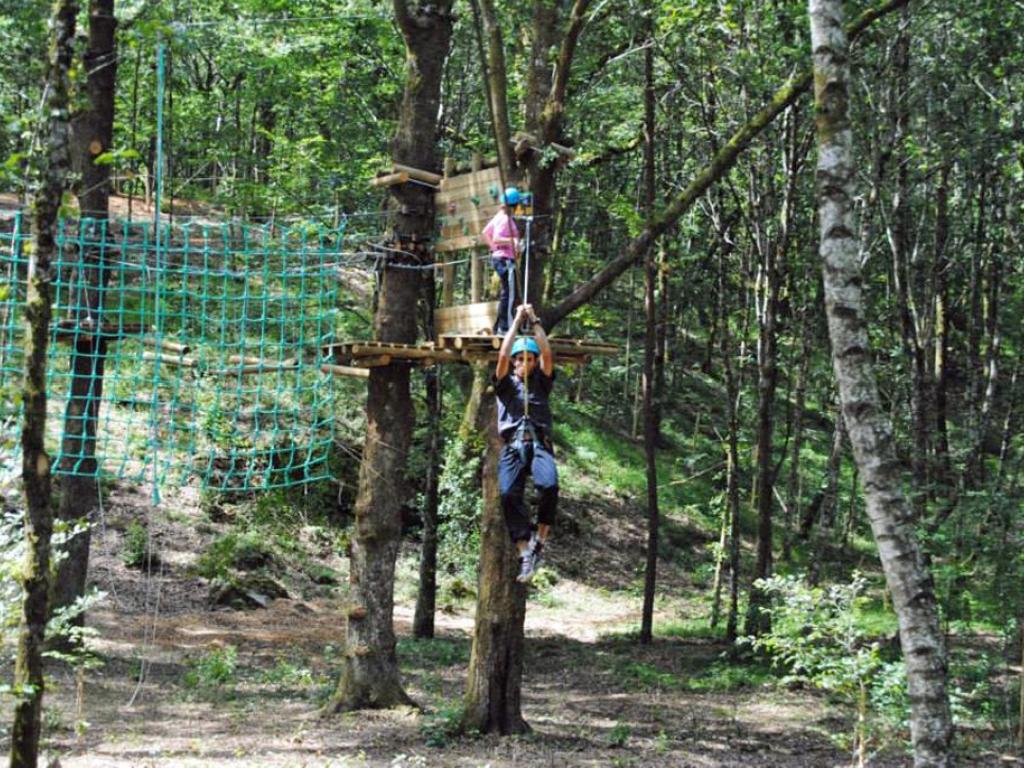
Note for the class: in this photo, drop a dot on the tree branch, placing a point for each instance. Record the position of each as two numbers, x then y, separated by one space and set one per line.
720 164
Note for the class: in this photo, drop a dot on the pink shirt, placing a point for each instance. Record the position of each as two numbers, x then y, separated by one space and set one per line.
501 226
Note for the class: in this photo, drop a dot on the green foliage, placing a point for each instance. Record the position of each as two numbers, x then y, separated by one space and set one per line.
722 676
619 735
440 728
816 636
289 674
214 671
234 552
135 552
11 556
648 677
459 511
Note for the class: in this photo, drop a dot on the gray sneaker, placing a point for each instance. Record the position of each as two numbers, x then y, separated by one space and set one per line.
527 566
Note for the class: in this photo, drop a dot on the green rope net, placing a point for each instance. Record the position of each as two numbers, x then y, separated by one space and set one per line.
189 351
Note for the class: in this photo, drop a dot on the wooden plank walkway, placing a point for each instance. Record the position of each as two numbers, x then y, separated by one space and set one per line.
455 348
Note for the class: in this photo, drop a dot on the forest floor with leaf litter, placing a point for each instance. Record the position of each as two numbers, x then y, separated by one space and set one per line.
184 684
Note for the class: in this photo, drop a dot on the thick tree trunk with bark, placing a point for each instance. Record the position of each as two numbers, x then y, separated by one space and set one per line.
92 135
868 428
53 168
369 677
492 702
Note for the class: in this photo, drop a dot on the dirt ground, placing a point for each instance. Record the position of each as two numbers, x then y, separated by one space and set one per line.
591 694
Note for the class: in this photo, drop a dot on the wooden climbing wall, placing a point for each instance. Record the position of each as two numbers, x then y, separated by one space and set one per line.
464 204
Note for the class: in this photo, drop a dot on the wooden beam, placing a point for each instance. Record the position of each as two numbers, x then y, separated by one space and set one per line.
418 174
290 364
389 179
457 244
239 360
464 181
166 344
177 361
373 362
345 370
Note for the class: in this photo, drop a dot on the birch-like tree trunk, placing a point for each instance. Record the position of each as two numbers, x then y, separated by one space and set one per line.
53 167
869 430
369 677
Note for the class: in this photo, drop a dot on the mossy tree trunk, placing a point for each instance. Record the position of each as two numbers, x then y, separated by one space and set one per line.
53 165
369 677
92 135
868 427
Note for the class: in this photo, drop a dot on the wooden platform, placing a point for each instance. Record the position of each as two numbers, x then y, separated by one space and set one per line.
479 348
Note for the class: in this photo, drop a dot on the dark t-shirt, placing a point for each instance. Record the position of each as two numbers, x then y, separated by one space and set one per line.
509 392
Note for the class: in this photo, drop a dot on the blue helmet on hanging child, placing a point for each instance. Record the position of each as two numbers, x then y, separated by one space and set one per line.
511 196
525 344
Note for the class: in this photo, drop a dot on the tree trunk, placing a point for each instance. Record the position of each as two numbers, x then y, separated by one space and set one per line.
773 256
492 62
53 168
426 595
650 351
794 487
827 510
92 134
492 702
944 470
974 464
732 491
369 677
869 431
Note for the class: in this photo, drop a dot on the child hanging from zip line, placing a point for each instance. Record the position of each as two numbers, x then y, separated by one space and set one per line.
522 383
502 238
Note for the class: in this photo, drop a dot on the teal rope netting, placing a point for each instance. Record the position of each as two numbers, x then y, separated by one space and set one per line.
208 347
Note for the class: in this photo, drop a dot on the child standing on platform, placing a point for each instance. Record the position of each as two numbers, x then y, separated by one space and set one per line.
502 237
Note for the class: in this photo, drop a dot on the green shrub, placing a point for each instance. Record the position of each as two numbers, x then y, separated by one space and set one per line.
440 728
815 633
619 735
213 670
234 552
135 548
459 511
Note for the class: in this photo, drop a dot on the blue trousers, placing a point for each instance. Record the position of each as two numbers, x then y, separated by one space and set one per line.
506 269
512 474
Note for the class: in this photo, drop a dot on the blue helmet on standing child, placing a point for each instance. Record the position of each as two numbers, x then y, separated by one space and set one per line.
511 196
525 344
